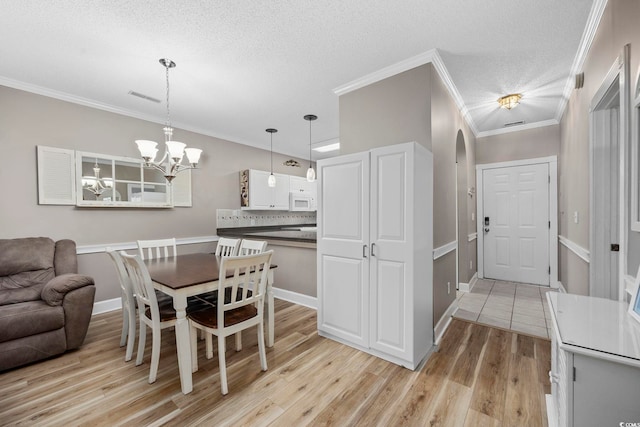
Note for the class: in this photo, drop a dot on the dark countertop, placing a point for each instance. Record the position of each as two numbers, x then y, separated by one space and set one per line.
293 233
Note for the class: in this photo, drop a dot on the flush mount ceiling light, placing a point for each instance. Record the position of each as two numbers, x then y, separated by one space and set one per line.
311 174
272 179
509 101
171 162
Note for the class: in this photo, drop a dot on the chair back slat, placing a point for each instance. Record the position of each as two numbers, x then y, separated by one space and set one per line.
141 283
227 247
160 248
126 287
247 284
252 247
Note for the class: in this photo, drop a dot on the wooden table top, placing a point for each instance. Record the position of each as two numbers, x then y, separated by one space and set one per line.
185 270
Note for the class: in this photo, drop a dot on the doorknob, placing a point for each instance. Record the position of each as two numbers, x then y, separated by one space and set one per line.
486 230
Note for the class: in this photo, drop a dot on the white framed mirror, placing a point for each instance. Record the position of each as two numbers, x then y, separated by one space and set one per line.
113 181
635 158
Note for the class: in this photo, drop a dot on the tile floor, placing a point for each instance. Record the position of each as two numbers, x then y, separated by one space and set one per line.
515 306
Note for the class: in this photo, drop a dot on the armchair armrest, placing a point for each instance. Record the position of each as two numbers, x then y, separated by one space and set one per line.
55 290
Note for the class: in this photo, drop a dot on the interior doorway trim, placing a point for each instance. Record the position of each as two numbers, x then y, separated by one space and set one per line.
620 71
552 161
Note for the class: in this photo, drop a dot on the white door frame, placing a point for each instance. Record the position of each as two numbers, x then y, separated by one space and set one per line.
619 70
552 161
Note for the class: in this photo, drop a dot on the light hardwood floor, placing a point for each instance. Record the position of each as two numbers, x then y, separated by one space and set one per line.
479 377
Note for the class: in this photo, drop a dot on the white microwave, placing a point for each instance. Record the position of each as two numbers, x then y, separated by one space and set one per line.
301 202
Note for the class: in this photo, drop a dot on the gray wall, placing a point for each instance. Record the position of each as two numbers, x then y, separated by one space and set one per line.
619 26
415 106
519 145
27 120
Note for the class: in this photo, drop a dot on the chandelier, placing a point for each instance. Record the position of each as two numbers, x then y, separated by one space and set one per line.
311 174
171 162
95 184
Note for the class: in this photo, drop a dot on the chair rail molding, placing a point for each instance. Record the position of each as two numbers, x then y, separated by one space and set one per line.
581 252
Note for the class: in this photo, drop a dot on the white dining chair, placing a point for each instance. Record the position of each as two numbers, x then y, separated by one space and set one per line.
160 248
241 310
128 335
252 247
150 313
227 247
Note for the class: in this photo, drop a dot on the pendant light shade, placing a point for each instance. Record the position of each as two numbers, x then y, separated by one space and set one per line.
271 182
311 174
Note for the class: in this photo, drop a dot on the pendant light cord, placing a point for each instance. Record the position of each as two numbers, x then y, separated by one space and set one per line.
168 122
271 153
309 143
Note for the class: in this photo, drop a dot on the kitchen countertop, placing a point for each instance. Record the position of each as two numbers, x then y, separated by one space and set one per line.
305 233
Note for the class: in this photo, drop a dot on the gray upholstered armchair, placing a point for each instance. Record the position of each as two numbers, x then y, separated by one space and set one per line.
45 306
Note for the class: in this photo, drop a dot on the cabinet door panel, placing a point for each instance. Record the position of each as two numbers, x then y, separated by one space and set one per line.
388 327
343 311
392 251
343 270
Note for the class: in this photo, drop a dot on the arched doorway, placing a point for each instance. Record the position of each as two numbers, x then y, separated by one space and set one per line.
462 230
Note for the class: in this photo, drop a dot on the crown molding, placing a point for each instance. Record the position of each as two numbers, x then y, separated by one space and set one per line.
432 56
525 126
391 70
597 10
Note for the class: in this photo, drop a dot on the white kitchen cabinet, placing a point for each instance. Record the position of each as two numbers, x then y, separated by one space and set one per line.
298 184
257 195
375 262
595 362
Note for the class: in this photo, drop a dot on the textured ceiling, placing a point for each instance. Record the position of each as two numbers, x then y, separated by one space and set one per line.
246 65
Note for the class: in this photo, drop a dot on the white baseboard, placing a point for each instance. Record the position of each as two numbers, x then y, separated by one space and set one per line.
560 287
444 321
466 287
106 306
296 298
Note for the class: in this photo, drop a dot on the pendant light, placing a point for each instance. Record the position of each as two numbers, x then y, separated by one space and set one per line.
272 179
311 174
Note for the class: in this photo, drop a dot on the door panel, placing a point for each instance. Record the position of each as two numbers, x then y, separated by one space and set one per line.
516 241
391 250
343 227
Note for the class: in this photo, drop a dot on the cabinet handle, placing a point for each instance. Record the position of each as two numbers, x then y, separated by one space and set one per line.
364 251
373 245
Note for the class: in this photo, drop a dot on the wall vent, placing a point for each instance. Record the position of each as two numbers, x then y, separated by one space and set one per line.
521 122
143 96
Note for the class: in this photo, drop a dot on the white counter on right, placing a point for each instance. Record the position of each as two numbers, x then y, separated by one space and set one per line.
595 362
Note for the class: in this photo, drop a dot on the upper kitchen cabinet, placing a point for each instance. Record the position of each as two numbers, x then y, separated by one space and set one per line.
301 185
255 193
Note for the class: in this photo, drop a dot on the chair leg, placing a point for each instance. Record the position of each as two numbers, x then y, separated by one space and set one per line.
142 339
194 348
131 334
238 341
223 364
261 348
209 343
155 354
125 327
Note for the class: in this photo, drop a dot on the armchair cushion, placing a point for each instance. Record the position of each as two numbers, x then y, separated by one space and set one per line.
53 292
29 318
13 296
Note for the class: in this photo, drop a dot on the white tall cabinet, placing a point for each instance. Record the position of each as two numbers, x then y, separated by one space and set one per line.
375 252
595 362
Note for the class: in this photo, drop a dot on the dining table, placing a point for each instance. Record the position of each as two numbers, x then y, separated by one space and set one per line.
183 276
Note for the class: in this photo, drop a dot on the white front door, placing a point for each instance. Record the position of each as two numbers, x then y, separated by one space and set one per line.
515 223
